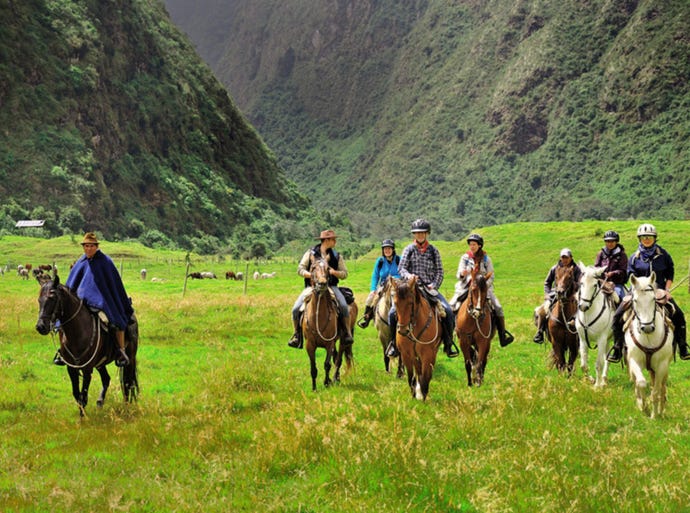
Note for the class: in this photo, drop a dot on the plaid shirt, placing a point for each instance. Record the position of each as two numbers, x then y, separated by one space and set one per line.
426 265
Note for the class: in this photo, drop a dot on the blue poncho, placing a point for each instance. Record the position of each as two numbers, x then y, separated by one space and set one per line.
98 283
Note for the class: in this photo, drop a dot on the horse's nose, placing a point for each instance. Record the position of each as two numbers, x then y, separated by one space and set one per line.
583 307
41 328
648 328
403 330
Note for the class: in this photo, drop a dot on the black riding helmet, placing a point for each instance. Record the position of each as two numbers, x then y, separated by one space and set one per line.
476 238
420 225
388 243
611 235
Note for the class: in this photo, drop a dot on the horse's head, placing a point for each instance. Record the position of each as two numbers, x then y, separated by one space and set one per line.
477 295
565 282
644 301
590 285
403 295
48 303
319 275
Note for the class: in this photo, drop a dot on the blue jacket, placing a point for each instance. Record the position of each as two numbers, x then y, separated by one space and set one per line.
656 257
98 283
383 269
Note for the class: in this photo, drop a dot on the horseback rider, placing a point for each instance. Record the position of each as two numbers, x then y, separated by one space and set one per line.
386 265
542 311
650 257
612 256
336 272
423 260
95 280
477 258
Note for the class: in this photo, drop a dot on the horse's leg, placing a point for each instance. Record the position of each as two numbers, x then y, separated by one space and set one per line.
467 356
584 364
74 380
311 351
337 363
407 359
85 384
482 356
602 364
639 381
572 348
105 382
327 366
419 374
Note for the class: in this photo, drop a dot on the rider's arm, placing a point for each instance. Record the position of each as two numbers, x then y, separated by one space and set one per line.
341 273
303 267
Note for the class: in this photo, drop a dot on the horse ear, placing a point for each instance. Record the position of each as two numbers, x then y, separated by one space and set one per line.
56 280
633 280
581 266
652 277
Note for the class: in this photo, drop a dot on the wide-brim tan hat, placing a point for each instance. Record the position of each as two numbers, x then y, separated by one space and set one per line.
90 238
327 234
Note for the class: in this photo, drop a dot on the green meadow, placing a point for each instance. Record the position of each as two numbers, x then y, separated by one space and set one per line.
226 420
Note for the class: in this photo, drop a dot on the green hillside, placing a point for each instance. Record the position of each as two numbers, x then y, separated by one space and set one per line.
110 121
469 113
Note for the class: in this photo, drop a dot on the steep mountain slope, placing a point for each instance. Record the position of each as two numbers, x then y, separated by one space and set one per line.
469 113
112 122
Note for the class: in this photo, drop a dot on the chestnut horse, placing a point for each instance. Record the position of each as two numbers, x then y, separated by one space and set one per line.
418 335
383 307
320 325
85 342
649 343
475 329
562 332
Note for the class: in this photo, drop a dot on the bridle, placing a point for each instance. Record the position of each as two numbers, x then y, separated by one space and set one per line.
319 290
410 326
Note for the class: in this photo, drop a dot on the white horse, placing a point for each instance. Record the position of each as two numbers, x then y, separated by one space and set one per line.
383 307
594 319
649 341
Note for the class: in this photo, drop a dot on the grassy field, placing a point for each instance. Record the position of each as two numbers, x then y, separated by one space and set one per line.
226 419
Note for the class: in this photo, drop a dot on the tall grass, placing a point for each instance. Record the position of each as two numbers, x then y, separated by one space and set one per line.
226 419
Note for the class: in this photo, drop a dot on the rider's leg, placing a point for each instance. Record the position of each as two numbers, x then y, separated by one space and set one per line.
680 333
616 352
448 325
57 359
504 336
343 318
368 311
296 338
392 349
122 358
541 312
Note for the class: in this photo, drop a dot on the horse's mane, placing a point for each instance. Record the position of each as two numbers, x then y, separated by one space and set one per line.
403 289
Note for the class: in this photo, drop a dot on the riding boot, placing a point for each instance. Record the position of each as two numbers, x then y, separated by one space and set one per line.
122 360
682 342
345 332
366 319
296 338
616 352
392 349
504 336
57 359
449 346
539 337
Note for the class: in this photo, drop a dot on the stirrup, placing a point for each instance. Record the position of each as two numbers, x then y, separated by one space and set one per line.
451 350
683 352
539 337
364 322
57 359
122 360
295 341
614 355
392 350
506 339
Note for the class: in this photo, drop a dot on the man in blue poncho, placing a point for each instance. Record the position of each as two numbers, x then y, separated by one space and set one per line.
95 280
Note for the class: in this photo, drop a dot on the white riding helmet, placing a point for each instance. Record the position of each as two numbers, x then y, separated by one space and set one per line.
646 229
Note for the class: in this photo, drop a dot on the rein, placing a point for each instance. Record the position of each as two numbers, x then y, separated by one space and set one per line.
590 302
411 325
648 351
478 315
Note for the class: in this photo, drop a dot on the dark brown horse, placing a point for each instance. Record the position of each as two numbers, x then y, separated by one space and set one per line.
418 334
320 325
561 325
85 342
475 329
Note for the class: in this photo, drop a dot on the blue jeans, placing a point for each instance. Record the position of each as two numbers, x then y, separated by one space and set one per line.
342 304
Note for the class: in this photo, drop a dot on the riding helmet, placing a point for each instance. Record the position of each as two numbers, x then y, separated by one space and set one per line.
611 235
476 238
646 229
388 243
420 225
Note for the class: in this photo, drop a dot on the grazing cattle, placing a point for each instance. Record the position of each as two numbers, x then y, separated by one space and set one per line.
24 273
239 276
195 276
142 273
157 280
268 275
208 275
230 275
45 267
28 267
257 275
19 269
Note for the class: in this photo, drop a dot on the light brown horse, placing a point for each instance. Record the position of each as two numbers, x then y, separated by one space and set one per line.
418 335
320 325
562 332
383 307
475 329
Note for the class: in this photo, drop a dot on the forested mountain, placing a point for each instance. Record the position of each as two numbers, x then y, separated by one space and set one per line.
467 112
111 121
